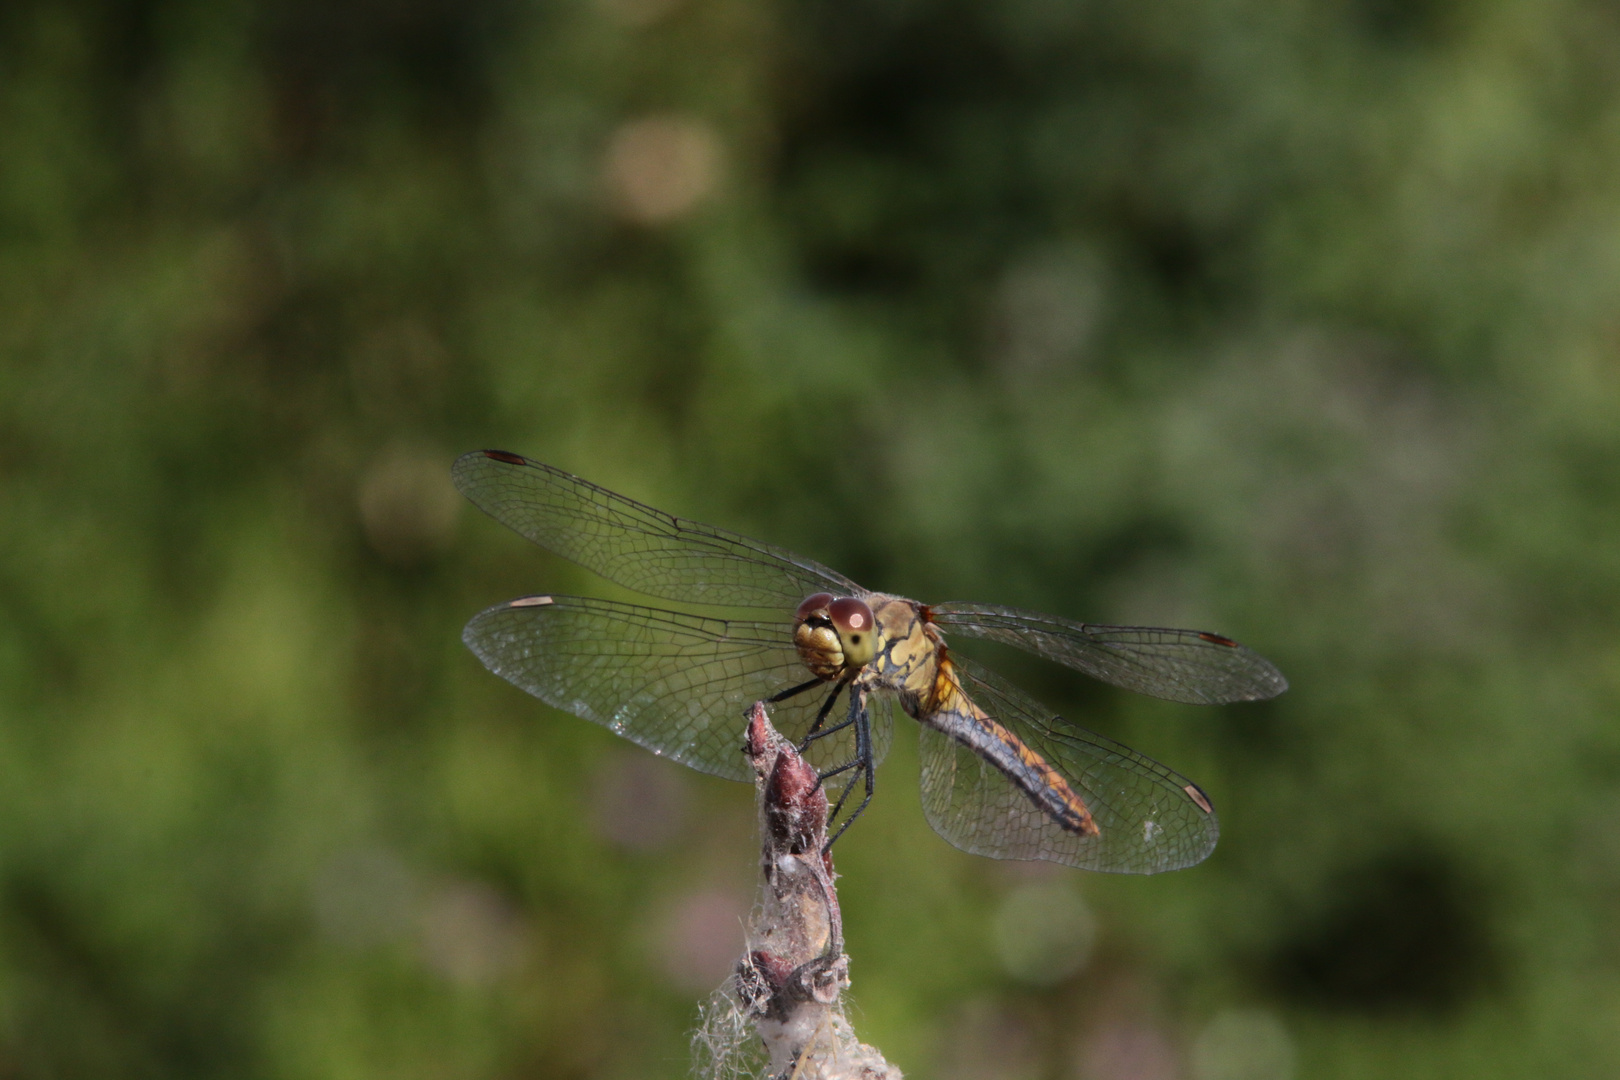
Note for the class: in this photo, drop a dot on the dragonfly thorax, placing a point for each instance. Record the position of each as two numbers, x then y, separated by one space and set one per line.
834 635
911 655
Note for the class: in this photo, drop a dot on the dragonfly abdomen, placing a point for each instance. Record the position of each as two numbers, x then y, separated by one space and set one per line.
956 715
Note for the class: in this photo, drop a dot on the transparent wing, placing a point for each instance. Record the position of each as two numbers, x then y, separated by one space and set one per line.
1149 819
1178 665
634 545
881 709
676 684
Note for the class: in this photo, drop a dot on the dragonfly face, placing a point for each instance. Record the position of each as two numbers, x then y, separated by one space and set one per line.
1001 775
835 636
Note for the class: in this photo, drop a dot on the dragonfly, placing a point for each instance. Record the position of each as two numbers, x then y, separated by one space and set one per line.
1001 775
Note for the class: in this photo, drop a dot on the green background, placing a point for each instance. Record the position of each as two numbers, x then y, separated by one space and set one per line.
1295 321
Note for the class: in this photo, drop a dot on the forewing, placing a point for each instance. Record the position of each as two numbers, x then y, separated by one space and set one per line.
1178 665
674 683
1149 819
647 550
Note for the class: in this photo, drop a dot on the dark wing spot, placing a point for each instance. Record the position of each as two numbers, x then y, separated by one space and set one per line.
1216 639
504 457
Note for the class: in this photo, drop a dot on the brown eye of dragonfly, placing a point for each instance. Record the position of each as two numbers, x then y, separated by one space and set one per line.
853 621
812 604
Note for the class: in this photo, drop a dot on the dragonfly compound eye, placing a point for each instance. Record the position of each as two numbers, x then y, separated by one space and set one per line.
854 623
816 639
813 605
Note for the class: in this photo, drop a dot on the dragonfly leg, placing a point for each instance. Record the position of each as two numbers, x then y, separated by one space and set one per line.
794 690
854 763
863 761
843 796
871 776
821 717
824 732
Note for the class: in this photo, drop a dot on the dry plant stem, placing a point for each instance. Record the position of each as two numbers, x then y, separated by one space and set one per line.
791 982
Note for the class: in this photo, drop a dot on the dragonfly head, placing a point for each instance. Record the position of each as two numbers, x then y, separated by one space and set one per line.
834 634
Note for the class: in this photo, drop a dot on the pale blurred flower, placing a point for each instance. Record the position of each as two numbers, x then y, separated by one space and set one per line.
701 937
471 934
659 168
1043 932
1126 1049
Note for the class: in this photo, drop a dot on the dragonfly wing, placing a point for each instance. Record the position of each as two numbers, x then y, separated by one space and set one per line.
1178 665
880 712
1149 819
881 708
627 542
674 683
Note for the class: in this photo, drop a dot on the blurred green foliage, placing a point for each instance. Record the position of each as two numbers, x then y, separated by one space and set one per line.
1293 320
